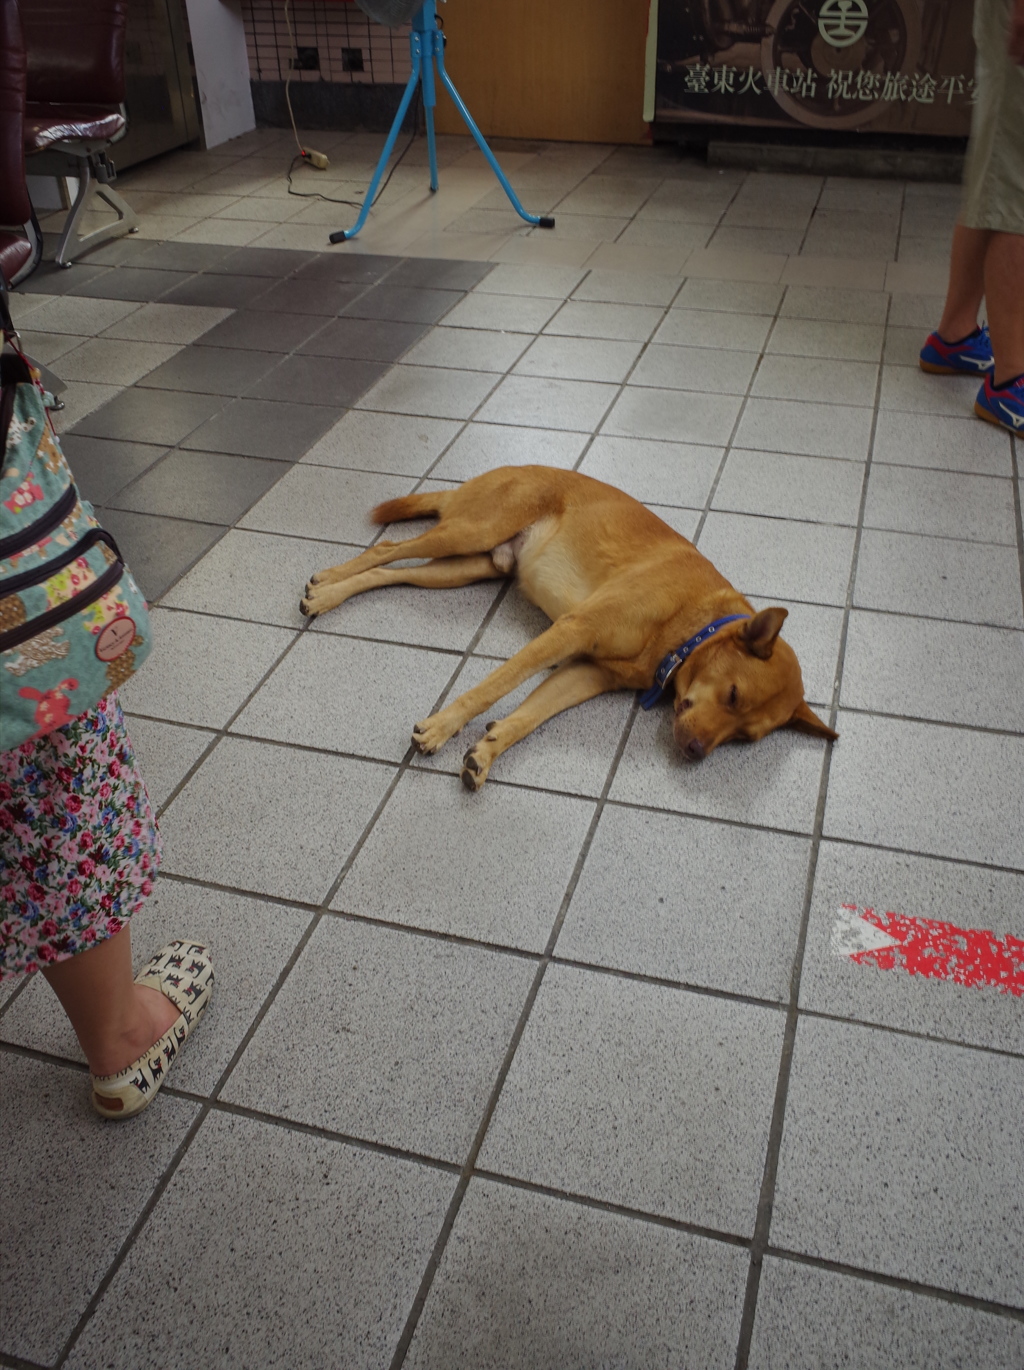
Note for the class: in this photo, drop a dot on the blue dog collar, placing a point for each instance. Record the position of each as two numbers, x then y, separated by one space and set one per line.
674 660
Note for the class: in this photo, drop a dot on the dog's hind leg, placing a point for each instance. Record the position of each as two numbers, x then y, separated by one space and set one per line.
570 684
445 573
567 637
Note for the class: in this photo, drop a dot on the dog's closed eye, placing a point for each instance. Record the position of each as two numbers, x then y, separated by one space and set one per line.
733 695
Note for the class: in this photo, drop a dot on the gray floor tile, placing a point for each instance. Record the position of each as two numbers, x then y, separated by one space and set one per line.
884 1165
577 1287
469 349
673 415
810 1319
402 1047
182 256
318 380
693 368
815 378
704 328
543 403
916 311
780 240
101 466
250 328
343 694
833 305
816 430
166 323
730 297
360 266
133 283
494 895
264 428
226 292
431 391
47 347
939 578
372 441
240 1291
404 304
317 502
627 287
852 878
212 370
202 668
940 504
50 279
483 446
299 296
262 261
773 783
515 622
671 473
504 313
902 346
255 576
518 279
716 928
571 752
934 674
158 550
581 359
210 486
616 1064
165 752
439 275
769 483
780 559
584 319
827 338
911 389
309 810
377 340
249 942
947 792
80 317
55 1252
112 361
947 444
150 416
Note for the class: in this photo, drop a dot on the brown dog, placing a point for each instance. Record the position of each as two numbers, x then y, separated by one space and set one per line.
626 594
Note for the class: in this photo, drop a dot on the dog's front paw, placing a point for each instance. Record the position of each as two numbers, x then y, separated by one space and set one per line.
431 735
476 764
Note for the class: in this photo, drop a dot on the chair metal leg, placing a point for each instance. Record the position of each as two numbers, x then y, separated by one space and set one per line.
72 244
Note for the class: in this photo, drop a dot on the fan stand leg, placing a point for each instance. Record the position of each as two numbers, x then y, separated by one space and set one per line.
426 42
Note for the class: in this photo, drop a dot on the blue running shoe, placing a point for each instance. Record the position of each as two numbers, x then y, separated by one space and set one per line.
972 354
1004 405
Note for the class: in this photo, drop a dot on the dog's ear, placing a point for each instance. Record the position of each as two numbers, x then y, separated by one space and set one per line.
759 633
805 720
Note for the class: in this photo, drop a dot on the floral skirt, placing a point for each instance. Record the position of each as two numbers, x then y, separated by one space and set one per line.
79 847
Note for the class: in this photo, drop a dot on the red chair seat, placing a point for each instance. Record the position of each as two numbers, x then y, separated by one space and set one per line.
15 251
48 124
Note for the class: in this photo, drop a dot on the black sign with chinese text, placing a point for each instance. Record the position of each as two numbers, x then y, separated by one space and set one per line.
903 66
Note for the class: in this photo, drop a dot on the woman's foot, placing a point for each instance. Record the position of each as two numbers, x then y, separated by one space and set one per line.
153 1015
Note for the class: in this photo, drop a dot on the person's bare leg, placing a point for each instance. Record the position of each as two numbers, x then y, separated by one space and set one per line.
114 1019
966 283
1004 282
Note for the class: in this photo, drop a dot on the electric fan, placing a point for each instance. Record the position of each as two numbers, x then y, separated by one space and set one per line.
426 43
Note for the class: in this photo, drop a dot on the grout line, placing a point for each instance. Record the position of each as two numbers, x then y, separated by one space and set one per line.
766 1201
469 1166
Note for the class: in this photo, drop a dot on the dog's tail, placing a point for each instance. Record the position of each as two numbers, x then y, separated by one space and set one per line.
411 507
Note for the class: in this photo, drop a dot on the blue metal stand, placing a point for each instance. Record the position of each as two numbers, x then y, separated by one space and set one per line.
427 45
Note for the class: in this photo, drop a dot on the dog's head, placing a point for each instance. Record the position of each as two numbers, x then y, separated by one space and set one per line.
739 687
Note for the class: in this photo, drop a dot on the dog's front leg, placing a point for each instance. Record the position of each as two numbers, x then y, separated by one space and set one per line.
564 639
572 683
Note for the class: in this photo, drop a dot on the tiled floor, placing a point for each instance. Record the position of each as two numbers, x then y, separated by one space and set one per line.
567 1073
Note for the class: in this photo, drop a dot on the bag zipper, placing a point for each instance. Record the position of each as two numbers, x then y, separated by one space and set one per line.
12 584
99 587
17 542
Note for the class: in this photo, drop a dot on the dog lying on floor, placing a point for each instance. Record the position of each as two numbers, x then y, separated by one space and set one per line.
633 605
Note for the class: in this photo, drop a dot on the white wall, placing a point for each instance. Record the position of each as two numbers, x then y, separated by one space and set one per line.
222 69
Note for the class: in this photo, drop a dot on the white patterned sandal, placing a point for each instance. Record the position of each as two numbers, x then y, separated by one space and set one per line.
183 973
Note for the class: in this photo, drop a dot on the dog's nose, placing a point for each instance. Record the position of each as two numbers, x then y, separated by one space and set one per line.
694 749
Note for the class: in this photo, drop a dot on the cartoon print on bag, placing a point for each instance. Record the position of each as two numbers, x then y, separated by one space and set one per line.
53 458
52 708
67 582
28 492
49 645
12 612
18 428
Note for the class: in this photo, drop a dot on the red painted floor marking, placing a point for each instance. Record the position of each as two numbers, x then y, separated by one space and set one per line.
923 946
